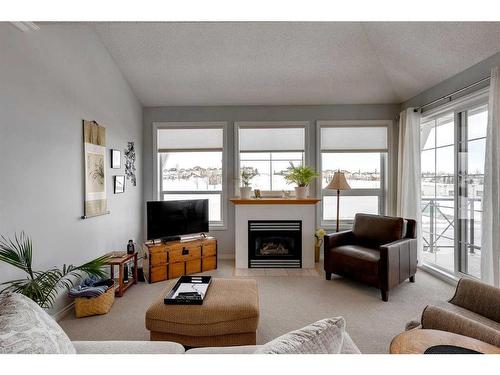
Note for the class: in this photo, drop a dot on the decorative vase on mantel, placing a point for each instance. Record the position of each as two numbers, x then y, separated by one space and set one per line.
300 192
245 192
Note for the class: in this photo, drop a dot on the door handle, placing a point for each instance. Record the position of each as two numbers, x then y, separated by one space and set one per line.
185 251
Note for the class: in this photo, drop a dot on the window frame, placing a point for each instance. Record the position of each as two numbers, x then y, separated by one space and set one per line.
267 124
157 182
459 107
384 193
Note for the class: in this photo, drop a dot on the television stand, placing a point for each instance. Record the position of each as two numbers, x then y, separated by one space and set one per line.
172 259
192 237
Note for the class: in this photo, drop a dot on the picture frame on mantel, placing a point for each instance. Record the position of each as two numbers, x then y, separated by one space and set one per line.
116 158
119 184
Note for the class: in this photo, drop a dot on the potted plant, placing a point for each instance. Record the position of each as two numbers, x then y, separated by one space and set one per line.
247 175
42 286
302 176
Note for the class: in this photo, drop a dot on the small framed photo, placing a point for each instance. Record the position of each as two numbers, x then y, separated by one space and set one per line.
116 157
119 184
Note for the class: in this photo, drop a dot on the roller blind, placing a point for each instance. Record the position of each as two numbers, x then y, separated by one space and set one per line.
272 139
190 139
354 138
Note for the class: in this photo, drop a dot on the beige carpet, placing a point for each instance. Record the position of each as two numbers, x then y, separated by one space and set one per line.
286 303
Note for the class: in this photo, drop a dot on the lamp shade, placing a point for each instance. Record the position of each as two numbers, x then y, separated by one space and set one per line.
338 182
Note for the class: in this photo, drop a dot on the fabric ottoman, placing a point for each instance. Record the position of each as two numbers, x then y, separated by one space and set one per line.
228 316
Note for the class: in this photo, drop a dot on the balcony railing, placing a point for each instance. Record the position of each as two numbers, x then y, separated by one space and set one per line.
440 225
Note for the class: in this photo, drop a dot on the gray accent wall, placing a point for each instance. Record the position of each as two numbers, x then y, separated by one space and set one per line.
232 114
50 80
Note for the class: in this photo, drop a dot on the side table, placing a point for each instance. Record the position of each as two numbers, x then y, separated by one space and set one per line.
120 258
417 341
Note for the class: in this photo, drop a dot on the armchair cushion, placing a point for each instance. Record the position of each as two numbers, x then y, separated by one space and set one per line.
375 230
358 252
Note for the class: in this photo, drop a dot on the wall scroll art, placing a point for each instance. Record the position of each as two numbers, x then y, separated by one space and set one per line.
94 145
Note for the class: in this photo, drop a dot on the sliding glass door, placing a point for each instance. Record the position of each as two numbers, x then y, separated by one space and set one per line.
472 142
452 165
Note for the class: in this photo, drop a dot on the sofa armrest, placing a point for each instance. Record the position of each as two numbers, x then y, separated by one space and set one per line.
391 246
338 239
398 261
435 317
333 240
478 297
128 347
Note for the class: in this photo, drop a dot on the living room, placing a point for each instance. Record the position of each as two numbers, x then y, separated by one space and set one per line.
292 187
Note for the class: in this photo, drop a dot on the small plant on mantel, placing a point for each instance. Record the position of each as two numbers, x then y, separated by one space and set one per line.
42 286
246 176
302 176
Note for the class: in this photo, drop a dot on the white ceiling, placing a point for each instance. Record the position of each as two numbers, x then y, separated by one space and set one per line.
271 63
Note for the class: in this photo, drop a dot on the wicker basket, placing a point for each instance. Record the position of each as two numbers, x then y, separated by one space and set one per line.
95 306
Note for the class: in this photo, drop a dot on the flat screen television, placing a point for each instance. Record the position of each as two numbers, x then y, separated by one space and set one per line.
170 219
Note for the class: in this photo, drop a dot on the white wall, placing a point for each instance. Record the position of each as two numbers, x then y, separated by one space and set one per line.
49 81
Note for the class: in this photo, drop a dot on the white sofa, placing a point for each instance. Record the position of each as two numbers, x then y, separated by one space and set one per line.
167 347
25 328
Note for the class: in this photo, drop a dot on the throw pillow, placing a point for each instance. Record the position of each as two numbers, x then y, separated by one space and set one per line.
25 328
323 337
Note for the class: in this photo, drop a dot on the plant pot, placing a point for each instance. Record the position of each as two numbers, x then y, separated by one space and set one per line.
245 192
301 192
317 249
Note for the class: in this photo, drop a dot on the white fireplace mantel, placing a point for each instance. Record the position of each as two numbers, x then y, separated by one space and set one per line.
274 209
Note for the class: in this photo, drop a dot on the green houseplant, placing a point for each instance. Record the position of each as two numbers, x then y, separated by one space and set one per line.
302 176
246 176
42 286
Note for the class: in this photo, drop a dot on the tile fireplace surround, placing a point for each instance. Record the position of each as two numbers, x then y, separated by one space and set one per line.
303 210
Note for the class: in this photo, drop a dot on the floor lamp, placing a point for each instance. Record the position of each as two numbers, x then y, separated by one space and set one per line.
338 183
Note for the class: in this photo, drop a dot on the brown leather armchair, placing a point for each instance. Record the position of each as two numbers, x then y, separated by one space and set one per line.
379 250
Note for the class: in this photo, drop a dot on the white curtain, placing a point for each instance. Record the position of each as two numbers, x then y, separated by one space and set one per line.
408 184
490 226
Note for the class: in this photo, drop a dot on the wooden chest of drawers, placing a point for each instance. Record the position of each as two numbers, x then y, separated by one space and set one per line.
173 259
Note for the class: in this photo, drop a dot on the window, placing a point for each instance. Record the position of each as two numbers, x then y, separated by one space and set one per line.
452 167
268 150
361 153
190 165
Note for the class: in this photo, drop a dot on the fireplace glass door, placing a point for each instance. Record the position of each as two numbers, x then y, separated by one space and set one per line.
274 244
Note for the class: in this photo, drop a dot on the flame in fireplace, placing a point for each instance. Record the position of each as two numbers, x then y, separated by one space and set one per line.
273 248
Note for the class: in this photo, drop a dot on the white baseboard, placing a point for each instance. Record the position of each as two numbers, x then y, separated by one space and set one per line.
452 280
59 315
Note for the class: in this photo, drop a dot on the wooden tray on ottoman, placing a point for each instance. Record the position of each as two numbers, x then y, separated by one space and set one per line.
201 281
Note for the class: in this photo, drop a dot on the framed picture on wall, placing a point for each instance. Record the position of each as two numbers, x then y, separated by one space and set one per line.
116 157
119 184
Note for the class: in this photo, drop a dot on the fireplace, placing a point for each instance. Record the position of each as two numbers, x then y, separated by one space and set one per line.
274 244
